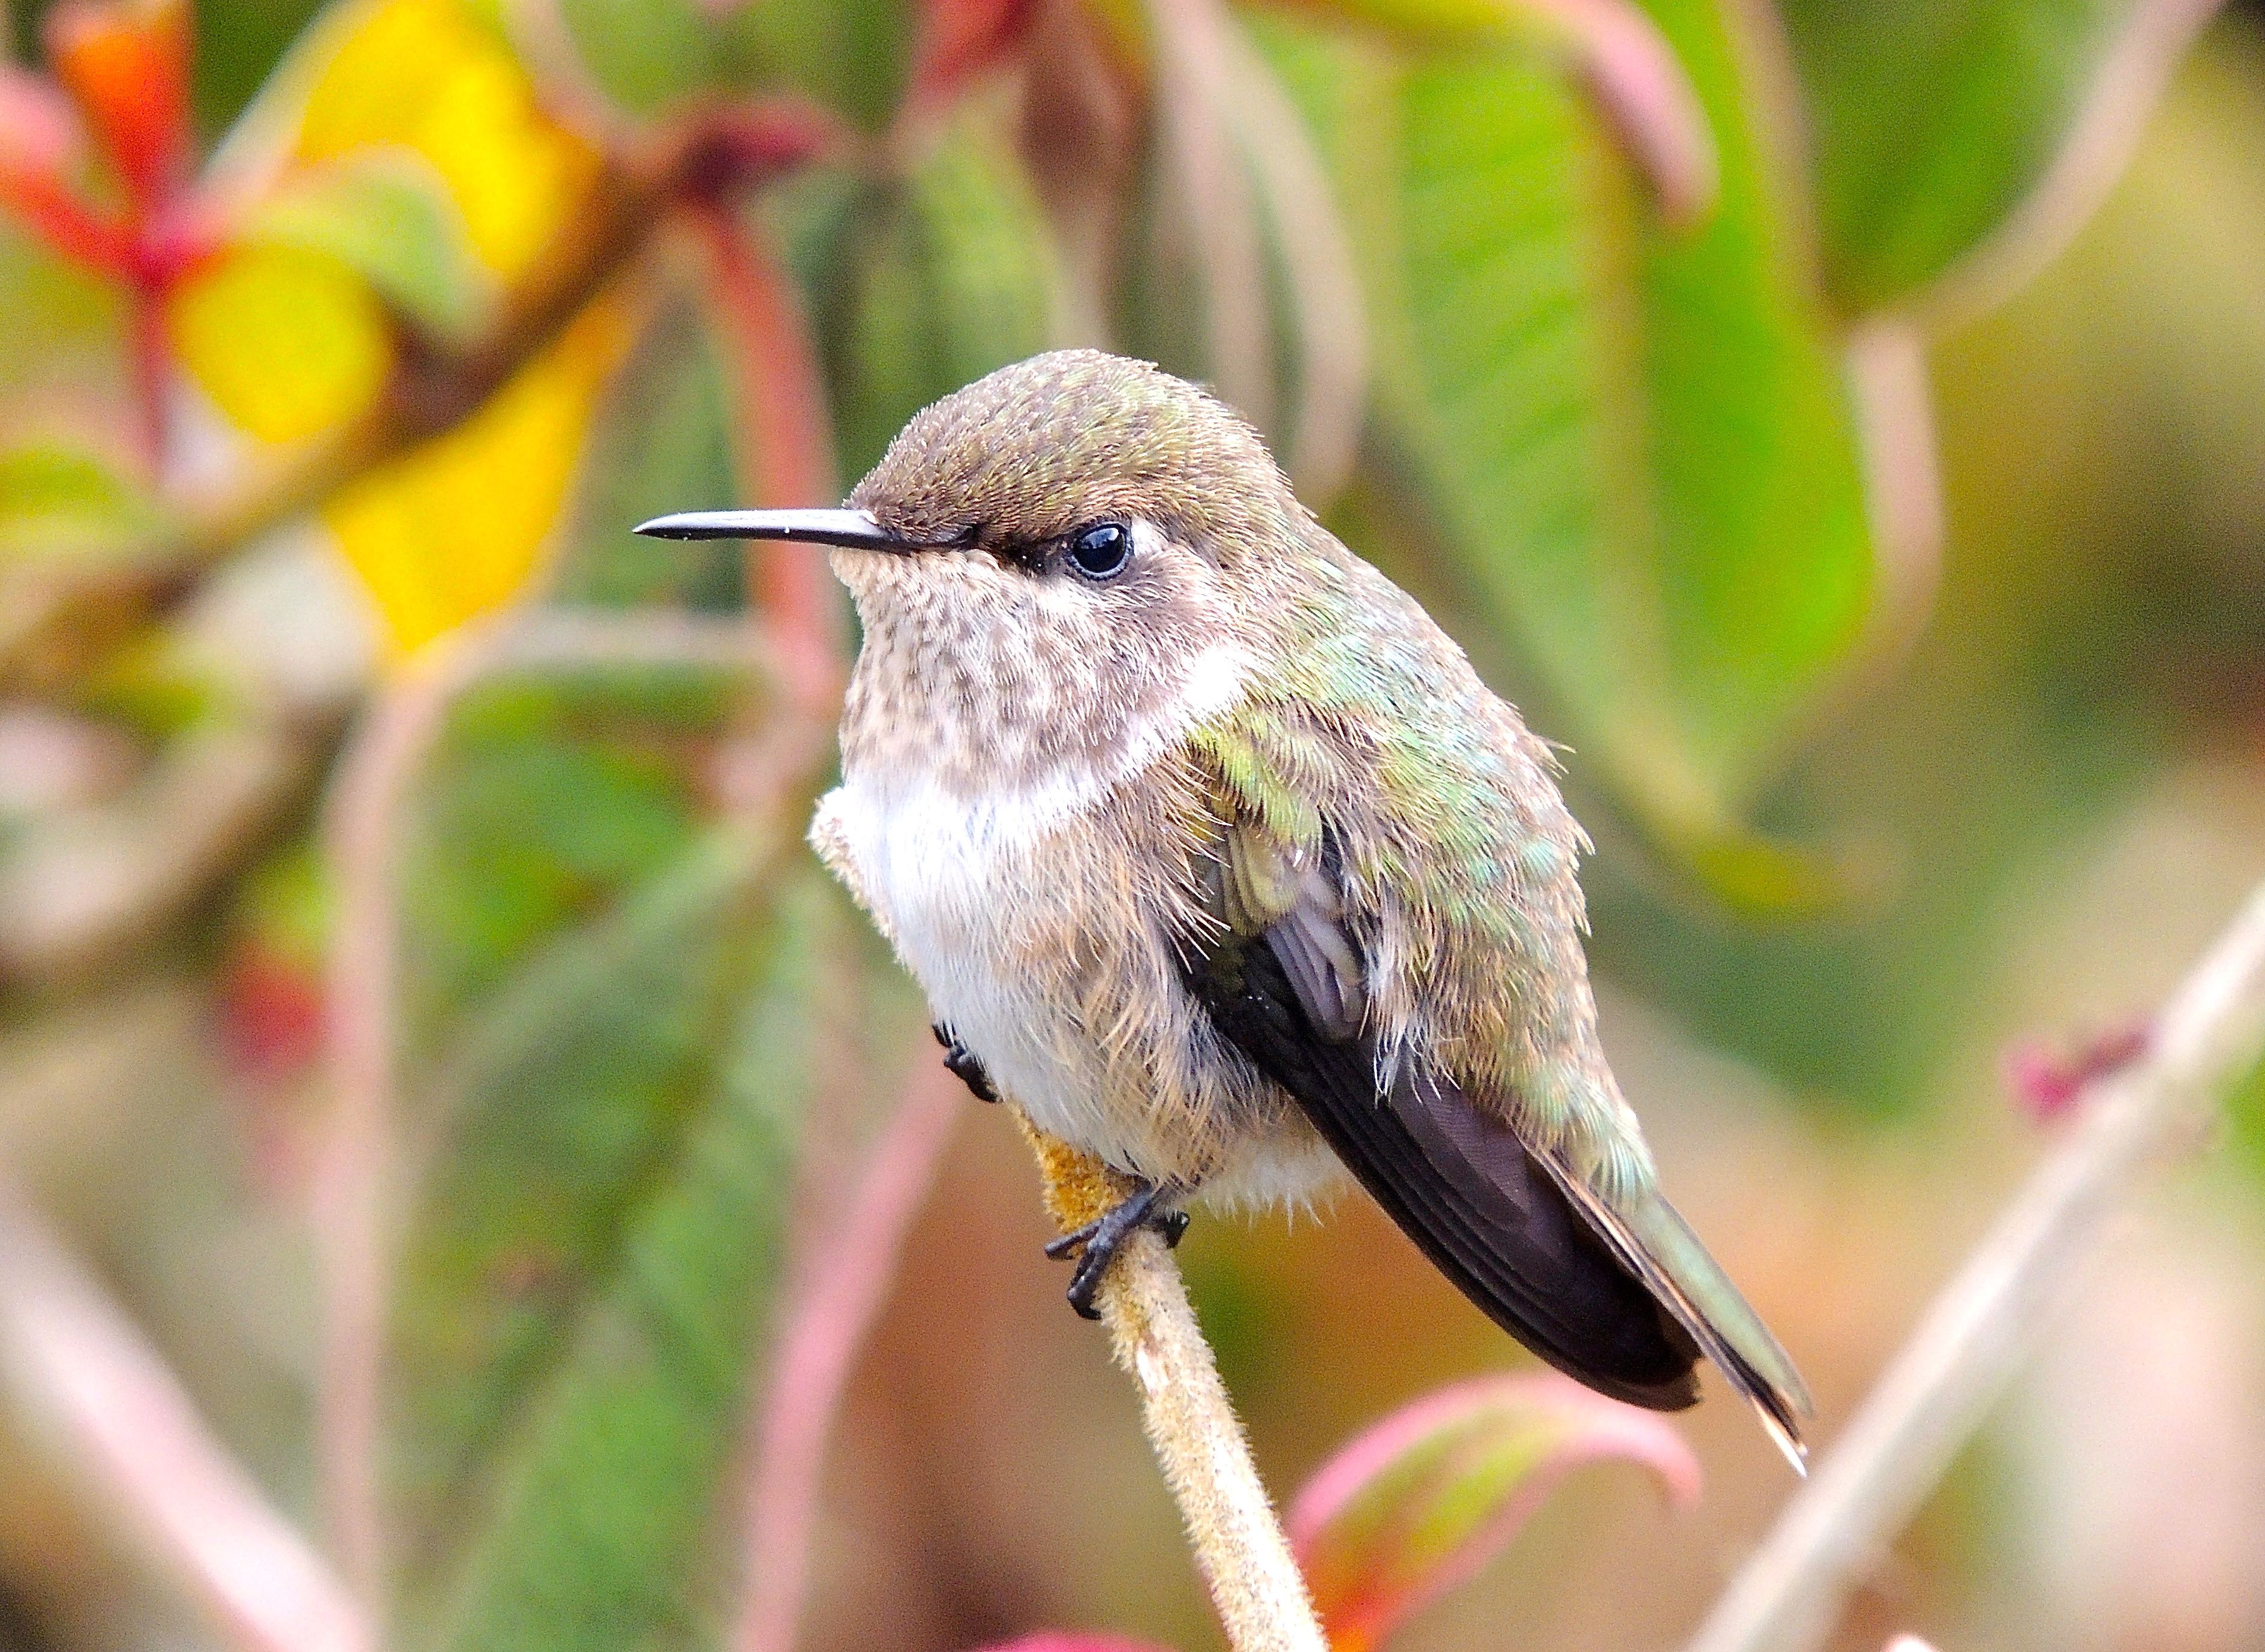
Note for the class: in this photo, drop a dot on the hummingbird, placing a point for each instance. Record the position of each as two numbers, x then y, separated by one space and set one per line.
1214 856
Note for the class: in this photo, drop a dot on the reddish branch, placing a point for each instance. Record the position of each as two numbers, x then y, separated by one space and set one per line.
432 390
787 444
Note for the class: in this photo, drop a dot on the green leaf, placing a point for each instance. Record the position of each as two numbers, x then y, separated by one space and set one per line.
854 59
2245 1108
919 288
987 249
57 501
239 44
387 214
1931 120
644 54
1420 1501
1634 441
619 1015
662 442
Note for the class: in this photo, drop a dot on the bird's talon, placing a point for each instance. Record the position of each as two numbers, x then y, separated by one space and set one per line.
964 1064
1096 1244
1085 1283
1070 1243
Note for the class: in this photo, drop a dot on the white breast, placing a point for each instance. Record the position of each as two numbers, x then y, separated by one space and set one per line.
960 887
969 890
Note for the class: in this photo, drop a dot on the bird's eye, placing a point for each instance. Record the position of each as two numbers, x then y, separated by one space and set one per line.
1101 550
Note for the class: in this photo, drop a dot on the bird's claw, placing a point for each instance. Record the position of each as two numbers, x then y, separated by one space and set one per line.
964 1064
1096 1244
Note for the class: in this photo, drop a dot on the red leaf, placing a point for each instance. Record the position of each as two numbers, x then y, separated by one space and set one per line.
40 145
127 64
959 38
1424 1498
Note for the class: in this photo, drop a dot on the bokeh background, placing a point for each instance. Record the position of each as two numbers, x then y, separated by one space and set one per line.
435 1087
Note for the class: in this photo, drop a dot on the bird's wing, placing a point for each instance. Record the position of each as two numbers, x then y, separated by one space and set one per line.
1281 975
1657 1245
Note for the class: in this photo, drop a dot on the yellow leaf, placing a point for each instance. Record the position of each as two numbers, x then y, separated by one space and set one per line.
456 529
428 75
286 341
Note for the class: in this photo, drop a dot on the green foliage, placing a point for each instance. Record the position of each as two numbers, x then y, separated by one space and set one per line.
590 1264
853 59
56 500
644 54
620 1016
1931 122
387 214
238 42
919 286
2246 1108
1634 440
663 438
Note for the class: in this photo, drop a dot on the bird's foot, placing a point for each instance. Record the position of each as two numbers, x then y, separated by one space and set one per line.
964 1064
1096 1244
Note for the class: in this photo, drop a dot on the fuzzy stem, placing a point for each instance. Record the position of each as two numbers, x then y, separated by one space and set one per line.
1973 1337
1239 1544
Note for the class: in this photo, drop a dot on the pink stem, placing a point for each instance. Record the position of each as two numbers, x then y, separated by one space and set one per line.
788 456
137 1441
1640 85
856 1263
152 357
351 1178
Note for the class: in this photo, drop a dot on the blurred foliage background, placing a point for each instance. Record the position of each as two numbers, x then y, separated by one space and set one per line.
438 1094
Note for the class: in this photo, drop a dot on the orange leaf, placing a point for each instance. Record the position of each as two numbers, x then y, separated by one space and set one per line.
126 64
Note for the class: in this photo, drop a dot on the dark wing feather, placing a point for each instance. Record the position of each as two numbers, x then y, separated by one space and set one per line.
1457 1181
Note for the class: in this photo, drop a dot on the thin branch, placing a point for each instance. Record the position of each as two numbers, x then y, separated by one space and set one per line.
1974 1336
786 444
1238 1541
86 884
431 390
855 1264
138 1442
1640 85
1317 258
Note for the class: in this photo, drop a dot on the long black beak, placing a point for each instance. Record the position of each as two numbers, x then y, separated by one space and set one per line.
856 528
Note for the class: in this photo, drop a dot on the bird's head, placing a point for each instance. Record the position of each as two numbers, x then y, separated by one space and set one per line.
1075 530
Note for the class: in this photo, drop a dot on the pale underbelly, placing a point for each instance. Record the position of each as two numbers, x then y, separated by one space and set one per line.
981 907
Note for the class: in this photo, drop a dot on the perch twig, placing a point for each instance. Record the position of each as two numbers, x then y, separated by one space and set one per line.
113 1412
1239 1544
1972 1338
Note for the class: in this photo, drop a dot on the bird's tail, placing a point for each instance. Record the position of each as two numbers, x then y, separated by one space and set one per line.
1658 1246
